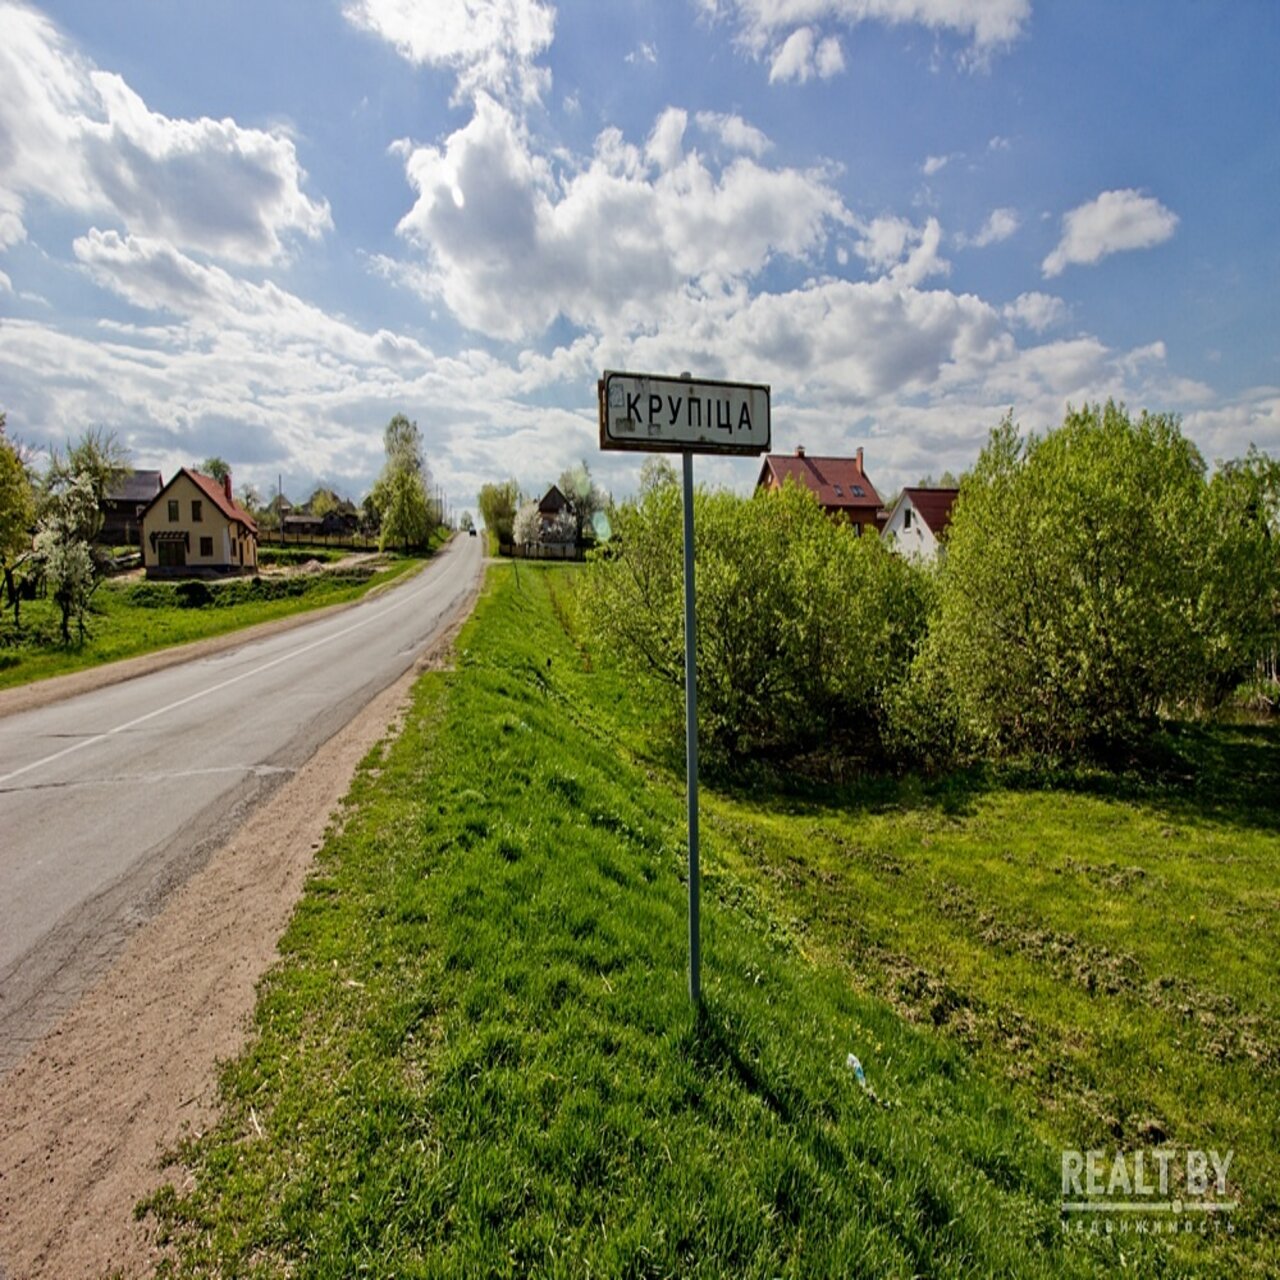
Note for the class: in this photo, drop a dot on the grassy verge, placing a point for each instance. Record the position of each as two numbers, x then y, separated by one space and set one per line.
477 1056
122 627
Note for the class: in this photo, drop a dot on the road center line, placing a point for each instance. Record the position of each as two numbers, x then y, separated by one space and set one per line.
408 598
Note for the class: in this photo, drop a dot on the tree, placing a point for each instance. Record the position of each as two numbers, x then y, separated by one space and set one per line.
17 516
1067 601
250 499
400 494
527 525
586 500
466 523
498 504
402 507
216 467
323 501
100 460
63 550
655 472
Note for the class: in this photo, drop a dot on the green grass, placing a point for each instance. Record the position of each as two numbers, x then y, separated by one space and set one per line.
477 1056
119 626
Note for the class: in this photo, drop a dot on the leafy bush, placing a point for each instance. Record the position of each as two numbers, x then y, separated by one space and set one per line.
201 593
803 627
1093 578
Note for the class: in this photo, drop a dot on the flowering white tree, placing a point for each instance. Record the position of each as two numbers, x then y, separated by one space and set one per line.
527 527
63 551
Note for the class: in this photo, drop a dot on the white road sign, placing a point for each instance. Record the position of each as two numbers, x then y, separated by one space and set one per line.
678 415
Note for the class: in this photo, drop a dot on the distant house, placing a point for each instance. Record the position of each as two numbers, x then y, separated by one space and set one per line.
301 524
919 520
841 485
123 505
194 528
556 518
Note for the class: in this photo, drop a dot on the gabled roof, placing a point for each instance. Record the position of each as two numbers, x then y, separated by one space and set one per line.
838 483
933 506
552 501
137 486
216 494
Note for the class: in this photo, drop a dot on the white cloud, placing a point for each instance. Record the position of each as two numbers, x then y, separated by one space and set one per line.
734 132
1036 311
794 58
665 147
604 245
1116 221
6 285
645 52
83 139
1000 225
903 252
933 164
829 59
490 45
801 56
773 25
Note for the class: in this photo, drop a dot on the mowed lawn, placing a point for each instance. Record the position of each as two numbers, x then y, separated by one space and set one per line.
477 1056
117 627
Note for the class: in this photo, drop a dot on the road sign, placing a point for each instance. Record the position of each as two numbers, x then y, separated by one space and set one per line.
679 415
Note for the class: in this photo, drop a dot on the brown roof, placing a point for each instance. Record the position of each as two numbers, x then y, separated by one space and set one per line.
839 483
553 501
934 506
216 494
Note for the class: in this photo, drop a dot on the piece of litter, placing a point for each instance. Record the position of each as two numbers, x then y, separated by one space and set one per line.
856 1067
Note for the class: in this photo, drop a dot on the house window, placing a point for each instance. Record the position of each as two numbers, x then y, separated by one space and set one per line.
173 511
857 490
857 529
197 511
206 548
906 519
839 494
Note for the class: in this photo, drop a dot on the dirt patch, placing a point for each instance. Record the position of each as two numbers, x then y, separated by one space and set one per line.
130 1070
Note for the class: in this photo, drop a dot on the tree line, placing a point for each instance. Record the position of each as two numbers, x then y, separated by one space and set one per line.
1096 579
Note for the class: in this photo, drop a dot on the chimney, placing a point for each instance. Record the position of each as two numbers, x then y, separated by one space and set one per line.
860 459
799 451
226 486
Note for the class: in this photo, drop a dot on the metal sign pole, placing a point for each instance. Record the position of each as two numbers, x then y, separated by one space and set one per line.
691 739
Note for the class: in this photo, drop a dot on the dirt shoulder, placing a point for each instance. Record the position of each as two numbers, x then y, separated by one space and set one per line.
86 1116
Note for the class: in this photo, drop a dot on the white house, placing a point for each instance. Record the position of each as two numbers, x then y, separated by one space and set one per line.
919 520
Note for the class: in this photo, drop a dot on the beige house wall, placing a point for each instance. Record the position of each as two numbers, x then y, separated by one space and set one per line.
222 553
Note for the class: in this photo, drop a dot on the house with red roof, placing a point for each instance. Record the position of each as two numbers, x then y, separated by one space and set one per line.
194 528
841 485
918 522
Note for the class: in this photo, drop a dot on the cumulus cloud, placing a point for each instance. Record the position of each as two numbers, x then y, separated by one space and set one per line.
802 55
644 52
1114 222
490 45
734 132
905 253
83 139
510 243
934 164
1036 311
1000 225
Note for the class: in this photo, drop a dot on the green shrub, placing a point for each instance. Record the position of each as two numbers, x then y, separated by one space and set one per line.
803 627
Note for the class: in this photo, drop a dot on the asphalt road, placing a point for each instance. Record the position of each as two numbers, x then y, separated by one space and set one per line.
111 799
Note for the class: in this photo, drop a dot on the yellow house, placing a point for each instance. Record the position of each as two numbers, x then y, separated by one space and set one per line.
194 528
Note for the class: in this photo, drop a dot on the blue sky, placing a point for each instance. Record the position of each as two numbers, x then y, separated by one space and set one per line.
259 230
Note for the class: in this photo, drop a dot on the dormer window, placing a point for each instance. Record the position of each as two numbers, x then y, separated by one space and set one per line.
839 492
857 490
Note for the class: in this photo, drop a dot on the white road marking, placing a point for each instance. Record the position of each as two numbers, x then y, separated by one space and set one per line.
204 693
